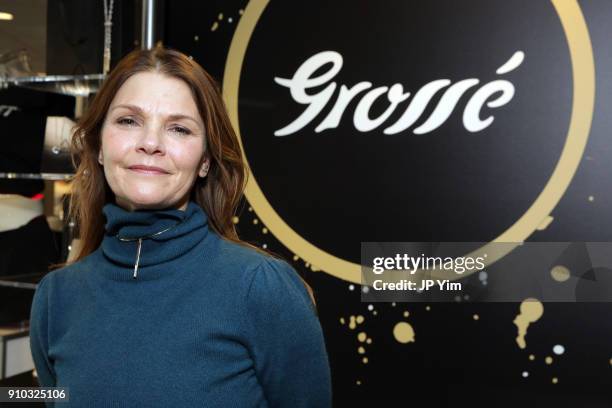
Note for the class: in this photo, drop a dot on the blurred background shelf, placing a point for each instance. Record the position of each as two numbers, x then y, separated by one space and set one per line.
73 85
23 281
37 176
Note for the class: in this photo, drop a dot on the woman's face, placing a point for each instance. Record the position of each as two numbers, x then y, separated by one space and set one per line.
153 143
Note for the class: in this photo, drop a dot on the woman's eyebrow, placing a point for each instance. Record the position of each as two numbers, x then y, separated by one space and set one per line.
137 109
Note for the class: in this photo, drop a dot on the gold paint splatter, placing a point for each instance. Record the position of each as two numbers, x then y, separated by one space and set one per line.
362 337
342 320
358 382
406 314
611 361
560 273
531 357
255 221
241 11
393 304
220 17
295 257
264 230
428 308
530 311
307 264
548 360
352 323
591 198
375 313
403 332
360 319
545 223
250 209
235 220
314 268
369 340
555 380
196 38
361 350
365 360
476 317
214 26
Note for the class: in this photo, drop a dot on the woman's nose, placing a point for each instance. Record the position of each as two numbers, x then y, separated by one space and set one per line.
151 141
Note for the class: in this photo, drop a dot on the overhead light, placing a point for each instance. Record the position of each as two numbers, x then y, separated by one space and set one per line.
6 16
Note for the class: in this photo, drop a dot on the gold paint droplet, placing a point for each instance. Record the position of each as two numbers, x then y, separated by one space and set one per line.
362 337
241 11
214 26
220 17
375 313
560 273
531 357
476 317
264 230
342 320
428 308
358 382
393 304
352 324
403 332
555 380
548 360
532 308
530 311
307 264
406 314
255 221
361 350
360 319
591 198
295 257
369 341
611 361
314 268
250 209
365 360
235 220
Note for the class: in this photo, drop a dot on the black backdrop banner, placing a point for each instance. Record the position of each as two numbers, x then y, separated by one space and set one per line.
412 121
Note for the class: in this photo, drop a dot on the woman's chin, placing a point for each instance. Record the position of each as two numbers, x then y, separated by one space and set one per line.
144 202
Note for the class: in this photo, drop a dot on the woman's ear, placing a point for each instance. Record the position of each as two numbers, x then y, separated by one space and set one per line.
204 168
100 157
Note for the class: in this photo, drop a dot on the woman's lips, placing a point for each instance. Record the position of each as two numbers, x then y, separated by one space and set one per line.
148 170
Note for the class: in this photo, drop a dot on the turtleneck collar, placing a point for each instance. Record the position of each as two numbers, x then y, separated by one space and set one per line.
139 240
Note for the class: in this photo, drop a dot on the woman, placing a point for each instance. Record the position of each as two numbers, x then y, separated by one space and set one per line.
164 305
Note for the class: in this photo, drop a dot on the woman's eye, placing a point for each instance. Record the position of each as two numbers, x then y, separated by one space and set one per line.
182 130
126 121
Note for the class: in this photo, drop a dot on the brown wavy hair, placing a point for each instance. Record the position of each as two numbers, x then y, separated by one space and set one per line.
219 194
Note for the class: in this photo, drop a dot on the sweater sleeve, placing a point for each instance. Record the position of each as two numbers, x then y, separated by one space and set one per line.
39 341
287 340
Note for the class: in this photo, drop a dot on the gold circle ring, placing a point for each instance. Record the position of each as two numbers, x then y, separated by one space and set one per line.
583 76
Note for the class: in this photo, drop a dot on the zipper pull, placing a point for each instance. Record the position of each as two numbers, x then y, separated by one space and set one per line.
137 257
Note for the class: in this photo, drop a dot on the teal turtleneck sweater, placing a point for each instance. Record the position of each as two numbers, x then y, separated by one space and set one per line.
205 322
